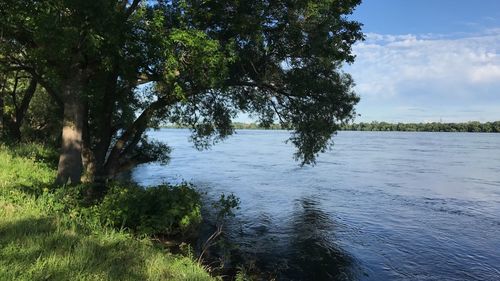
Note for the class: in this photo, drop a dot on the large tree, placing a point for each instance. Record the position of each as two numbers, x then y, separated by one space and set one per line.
118 67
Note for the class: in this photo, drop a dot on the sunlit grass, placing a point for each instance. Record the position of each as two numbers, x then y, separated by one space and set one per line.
38 244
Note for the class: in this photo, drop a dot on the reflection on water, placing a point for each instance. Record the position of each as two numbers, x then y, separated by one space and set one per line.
380 206
313 251
305 248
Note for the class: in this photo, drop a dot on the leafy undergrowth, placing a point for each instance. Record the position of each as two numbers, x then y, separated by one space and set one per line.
42 239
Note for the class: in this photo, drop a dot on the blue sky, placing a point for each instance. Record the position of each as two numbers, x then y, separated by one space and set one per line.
428 60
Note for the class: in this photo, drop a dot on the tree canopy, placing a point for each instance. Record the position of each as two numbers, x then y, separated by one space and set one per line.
118 67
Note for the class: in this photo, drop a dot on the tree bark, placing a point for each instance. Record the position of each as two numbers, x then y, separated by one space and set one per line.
2 92
132 135
88 156
1 115
70 165
105 133
21 111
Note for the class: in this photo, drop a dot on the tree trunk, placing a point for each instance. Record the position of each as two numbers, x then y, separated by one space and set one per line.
1 115
14 131
88 155
2 92
106 132
129 139
21 111
70 165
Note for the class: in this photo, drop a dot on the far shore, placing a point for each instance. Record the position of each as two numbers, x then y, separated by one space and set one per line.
465 127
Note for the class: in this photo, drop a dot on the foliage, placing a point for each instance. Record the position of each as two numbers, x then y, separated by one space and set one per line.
51 234
118 68
163 209
42 123
27 112
250 272
473 126
156 210
40 153
235 125
222 209
225 206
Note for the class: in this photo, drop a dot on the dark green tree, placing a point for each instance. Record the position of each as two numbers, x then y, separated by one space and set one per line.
120 67
16 92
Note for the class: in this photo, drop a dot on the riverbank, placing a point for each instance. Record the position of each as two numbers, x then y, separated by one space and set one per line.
44 235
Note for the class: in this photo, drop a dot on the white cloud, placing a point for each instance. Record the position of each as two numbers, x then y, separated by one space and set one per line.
416 71
485 74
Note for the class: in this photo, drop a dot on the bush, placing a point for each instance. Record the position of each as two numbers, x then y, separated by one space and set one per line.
38 152
163 209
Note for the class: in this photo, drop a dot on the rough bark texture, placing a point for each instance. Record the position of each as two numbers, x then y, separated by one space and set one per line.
70 166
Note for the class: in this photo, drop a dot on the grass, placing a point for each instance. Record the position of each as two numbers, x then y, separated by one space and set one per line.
37 242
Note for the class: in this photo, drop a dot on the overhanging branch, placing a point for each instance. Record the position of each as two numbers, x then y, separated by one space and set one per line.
132 135
132 8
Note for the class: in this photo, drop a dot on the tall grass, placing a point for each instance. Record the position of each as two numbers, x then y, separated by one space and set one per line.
38 242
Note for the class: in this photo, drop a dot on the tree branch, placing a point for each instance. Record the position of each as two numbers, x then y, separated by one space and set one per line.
267 86
106 131
277 112
136 128
131 8
22 66
14 91
25 102
46 85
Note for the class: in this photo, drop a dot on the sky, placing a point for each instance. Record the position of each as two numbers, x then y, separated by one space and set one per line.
428 61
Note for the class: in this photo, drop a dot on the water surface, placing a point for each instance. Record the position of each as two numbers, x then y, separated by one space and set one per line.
379 206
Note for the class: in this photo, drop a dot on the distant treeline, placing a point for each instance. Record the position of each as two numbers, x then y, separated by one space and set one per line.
473 126
236 125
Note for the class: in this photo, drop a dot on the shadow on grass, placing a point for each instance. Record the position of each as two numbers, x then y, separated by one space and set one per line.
38 152
36 188
34 249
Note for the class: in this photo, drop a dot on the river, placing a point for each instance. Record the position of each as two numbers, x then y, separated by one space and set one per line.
379 206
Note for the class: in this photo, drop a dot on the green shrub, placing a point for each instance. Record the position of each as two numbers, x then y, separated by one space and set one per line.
163 209
38 152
